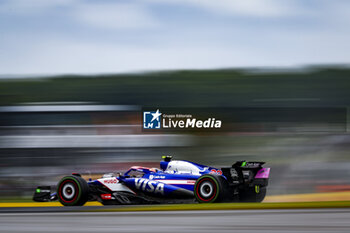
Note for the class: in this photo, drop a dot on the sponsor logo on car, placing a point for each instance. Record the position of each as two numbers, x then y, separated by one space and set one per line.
106 196
149 186
110 181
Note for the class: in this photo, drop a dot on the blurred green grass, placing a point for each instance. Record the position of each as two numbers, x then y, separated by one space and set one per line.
15 199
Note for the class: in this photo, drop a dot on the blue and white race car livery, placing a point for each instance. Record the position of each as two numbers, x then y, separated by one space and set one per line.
177 181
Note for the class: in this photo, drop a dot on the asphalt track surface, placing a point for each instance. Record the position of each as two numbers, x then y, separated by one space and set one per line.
296 220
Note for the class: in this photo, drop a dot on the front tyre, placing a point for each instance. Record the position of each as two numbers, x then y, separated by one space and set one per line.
209 188
72 191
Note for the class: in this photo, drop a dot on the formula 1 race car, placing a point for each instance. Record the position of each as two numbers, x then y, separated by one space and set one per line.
177 181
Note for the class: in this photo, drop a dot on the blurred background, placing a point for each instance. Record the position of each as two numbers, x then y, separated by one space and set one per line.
297 123
75 76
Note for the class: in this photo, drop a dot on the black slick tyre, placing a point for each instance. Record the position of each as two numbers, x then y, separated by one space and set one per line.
72 191
209 188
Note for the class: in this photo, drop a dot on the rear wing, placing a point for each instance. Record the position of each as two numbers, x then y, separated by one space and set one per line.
243 172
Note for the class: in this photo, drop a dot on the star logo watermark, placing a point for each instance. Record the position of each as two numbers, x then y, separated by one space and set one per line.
152 120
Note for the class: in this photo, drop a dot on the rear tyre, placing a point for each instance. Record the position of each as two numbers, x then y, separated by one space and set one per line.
210 188
256 194
72 191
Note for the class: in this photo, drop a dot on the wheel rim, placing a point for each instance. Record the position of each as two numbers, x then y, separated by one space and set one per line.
206 190
68 191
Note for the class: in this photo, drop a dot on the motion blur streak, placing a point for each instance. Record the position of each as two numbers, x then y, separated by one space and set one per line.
295 120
